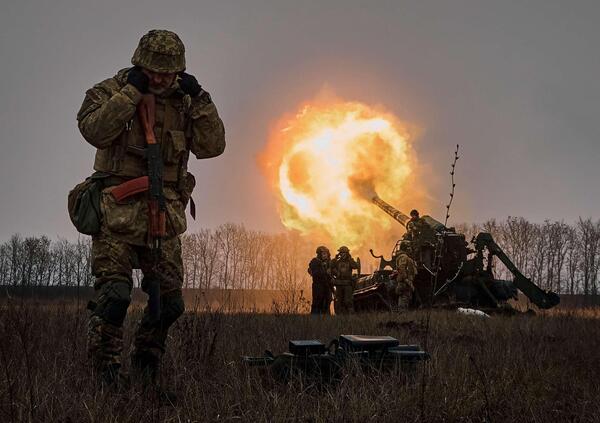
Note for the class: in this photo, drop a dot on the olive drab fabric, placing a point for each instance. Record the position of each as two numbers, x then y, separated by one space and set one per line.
184 125
112 267
406 269
418 231
344 300
160 51
128 221
107 120
341 270
84 206
322 285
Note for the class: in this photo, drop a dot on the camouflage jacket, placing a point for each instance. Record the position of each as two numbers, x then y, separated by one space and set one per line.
341 269
419 232
406 268
319 270
107 119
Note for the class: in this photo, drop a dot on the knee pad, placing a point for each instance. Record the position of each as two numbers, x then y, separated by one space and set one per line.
113 302
172 307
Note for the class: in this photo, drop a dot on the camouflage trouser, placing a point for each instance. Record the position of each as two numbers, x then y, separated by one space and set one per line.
321 298
404 289
344 302
112 264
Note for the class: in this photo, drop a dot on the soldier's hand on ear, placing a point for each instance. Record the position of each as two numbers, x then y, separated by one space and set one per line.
138 79
189 84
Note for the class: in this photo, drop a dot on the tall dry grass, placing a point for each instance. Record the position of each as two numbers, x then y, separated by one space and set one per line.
520 368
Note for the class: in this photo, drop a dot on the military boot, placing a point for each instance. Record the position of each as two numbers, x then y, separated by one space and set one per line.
111 378
146 368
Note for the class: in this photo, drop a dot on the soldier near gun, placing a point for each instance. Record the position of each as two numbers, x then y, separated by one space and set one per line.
341 269
322 286
406 270
422 238
186 120
414 226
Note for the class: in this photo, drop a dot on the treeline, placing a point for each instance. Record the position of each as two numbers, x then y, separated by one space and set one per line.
233 257
39 261
556 255
228 257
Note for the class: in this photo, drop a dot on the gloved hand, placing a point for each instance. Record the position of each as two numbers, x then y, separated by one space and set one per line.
138 79
189 84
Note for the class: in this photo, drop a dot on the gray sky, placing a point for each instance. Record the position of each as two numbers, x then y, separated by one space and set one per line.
514 82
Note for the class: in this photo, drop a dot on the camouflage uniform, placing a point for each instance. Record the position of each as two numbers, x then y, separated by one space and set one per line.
322 286
341 270
415 229
423 240
107 120
406 271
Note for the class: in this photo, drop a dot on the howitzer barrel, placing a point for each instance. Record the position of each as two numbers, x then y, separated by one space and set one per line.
396 214
403 219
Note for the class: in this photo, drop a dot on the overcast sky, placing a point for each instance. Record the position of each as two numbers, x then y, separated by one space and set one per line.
516 83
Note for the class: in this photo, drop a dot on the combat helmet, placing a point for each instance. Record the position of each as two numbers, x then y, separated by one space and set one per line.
321 249
160 51
344 249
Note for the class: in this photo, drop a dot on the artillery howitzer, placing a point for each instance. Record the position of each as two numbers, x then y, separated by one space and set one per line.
312 359
448 271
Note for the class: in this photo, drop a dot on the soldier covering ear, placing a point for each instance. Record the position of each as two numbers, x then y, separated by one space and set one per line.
186 121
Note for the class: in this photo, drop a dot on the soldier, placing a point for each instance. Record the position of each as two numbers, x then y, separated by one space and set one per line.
422 237
413 226
406 270
341 270
322 286
186 120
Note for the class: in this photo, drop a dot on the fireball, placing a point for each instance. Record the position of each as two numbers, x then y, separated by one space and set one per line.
326 163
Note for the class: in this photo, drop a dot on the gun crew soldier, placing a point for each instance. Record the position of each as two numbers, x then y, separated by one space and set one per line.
406 270
341 269
141 168
414 226
422 238
322 286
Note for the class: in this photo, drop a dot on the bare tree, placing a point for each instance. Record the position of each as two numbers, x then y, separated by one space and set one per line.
562 257
589 236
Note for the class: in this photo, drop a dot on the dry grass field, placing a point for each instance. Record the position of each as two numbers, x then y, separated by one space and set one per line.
506 368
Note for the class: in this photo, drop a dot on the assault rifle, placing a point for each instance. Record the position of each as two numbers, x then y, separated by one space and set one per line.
157 209
153 185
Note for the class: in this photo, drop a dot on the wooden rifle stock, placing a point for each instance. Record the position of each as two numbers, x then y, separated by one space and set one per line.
146 110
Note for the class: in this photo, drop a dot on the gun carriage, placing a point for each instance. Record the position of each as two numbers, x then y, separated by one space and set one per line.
450 272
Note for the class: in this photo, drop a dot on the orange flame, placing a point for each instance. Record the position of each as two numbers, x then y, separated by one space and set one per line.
328 161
